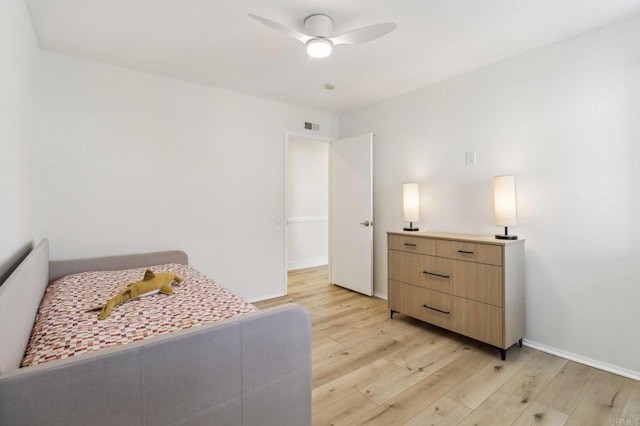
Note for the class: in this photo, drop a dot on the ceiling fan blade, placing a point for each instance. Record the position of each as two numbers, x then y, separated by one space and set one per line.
303 38
364 34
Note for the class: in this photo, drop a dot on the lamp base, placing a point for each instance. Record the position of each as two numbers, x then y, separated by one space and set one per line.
506 235
411 229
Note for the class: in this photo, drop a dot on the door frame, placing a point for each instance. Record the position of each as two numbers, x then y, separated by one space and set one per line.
285 226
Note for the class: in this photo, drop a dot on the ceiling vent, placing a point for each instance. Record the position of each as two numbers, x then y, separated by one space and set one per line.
311 126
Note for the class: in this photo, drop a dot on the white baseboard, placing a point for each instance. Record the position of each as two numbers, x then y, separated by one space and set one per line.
379 295
635 375
267 297
292 265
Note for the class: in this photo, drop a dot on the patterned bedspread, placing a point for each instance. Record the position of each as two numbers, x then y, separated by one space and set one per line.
63 329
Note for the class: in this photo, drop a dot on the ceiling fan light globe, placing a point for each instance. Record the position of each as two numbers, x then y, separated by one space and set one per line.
319 47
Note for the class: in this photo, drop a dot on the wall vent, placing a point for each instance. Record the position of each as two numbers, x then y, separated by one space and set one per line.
311 126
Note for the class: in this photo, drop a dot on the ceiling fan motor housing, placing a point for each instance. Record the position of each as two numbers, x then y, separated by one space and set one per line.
318 26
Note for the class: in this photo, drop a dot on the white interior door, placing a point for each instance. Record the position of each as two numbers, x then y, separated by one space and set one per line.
352 213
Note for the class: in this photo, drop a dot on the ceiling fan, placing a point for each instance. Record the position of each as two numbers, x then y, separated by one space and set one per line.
317 33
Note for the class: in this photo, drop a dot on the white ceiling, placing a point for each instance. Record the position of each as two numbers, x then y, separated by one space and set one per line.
214 42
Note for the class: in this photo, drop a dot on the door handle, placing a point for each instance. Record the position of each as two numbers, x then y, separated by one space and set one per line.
366 223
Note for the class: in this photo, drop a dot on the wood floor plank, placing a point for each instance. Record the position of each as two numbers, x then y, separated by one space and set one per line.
274 302
370 369
360 344
329 324
404 406
378 324
420 345
354 381
567 388
506 404
406 377
323 343
335 302
483 384
344 411
539 415
604 400
444 411
349 359
362 328
631 412
547 364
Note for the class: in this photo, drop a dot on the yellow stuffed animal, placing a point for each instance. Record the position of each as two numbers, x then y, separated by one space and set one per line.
151 284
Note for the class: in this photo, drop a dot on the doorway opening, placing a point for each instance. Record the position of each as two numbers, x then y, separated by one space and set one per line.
306 203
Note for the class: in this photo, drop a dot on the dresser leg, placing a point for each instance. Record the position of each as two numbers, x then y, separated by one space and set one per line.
520 342
503 354
391 312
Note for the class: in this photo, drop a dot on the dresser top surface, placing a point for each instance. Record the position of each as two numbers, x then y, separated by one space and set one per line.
484 239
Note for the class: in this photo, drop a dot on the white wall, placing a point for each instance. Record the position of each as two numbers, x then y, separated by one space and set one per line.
565 120
307 203
19 60
127 161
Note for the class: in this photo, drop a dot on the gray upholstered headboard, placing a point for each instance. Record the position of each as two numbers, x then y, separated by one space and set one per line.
20 297
60 268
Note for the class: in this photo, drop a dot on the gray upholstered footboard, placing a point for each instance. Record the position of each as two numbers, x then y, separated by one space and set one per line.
251 370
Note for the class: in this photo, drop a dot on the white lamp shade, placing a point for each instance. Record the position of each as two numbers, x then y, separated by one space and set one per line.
411 202
504 192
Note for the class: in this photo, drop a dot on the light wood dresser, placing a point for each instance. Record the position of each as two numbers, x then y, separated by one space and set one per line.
469 284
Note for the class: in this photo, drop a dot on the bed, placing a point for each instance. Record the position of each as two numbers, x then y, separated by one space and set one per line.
252 369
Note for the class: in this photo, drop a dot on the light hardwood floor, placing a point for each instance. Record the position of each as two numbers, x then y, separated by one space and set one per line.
370 369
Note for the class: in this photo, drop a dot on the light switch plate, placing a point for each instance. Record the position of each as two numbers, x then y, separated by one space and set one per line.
471 158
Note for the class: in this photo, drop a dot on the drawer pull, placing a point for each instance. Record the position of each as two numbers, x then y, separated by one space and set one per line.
434 274
436 309
410 244
465 252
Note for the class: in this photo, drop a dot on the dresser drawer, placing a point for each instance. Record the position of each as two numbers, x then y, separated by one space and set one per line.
412 244
426 305
425 271
478 321
477 281
473 252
